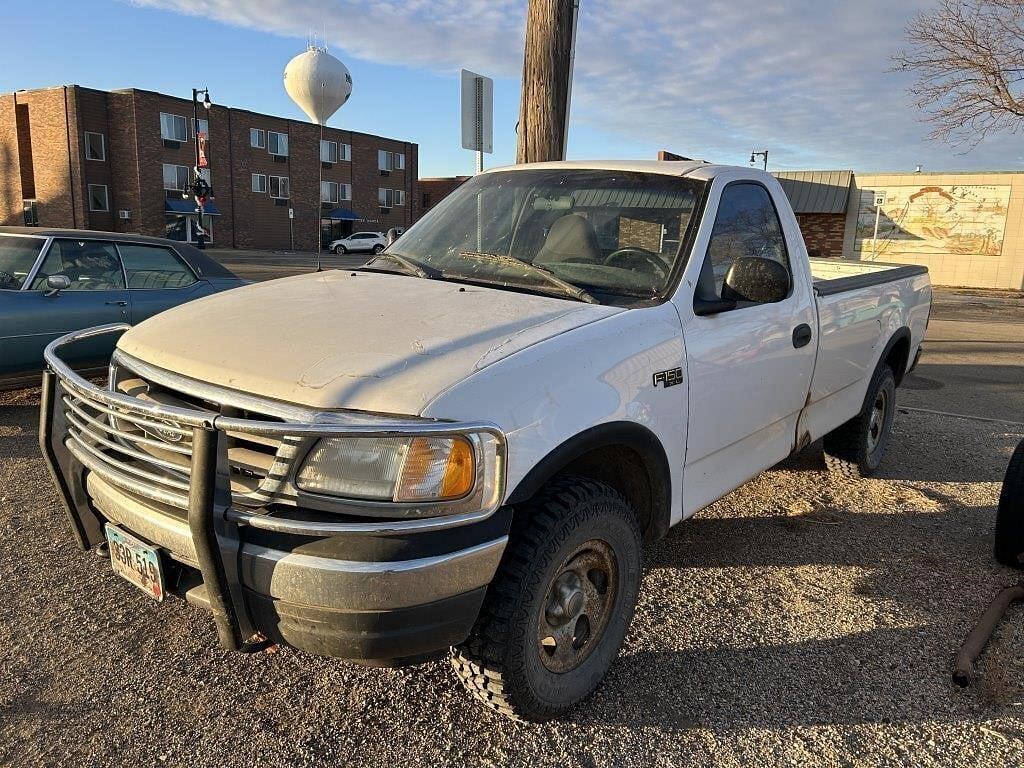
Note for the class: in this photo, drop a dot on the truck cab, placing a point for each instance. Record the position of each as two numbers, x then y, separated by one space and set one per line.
462 447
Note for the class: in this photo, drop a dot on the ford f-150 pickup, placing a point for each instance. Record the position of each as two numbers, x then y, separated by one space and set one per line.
461 447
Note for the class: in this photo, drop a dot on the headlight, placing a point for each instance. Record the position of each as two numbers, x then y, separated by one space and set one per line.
400 469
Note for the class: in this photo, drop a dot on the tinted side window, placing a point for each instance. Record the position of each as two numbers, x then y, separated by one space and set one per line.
746 225
17 256
150 266
90 265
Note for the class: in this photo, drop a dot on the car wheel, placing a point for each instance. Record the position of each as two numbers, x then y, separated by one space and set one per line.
559 607
378 248
855 449
1009 535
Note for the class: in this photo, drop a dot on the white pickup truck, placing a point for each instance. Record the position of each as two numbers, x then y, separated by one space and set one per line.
461 447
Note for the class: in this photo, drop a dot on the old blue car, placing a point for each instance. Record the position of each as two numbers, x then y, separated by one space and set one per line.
57 280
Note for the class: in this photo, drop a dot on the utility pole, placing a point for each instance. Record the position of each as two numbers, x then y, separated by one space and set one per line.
547 72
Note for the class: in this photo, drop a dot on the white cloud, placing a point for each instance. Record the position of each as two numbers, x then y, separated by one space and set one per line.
807 80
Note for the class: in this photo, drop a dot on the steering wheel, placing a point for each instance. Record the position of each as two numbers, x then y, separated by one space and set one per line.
624 254
7 280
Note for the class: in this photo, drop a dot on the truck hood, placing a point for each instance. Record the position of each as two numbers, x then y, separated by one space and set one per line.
352 340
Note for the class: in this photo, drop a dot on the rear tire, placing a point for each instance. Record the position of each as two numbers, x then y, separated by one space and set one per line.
855 449
378 248
559 607
1009 535
340 250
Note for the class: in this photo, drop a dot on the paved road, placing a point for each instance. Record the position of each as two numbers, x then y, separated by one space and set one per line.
971 367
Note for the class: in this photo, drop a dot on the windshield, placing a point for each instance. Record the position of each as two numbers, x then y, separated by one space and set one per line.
577 233
17 255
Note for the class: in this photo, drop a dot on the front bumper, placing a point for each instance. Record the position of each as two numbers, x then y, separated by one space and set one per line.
368 590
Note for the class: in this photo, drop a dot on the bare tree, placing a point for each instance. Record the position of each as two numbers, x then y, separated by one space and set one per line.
968 56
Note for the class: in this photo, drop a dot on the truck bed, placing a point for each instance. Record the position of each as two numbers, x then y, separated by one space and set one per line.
836 275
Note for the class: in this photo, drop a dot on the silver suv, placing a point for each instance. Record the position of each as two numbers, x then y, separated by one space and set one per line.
360 242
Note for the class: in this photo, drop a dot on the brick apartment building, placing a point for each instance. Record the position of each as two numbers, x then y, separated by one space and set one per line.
119 161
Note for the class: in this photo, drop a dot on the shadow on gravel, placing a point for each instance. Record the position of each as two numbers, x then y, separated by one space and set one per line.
868 677
18 431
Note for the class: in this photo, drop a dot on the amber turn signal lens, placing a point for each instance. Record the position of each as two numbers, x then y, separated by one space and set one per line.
436 469
458 472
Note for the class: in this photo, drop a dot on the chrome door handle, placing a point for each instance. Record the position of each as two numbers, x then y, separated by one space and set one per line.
116 303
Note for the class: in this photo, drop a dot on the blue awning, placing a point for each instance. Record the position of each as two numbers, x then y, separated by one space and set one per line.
343 214
187 206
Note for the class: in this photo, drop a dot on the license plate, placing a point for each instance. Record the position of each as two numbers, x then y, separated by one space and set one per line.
135 561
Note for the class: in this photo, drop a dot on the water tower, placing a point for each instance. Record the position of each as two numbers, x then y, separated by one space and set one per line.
320 84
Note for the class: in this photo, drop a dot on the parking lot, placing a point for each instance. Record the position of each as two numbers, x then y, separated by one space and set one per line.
799 621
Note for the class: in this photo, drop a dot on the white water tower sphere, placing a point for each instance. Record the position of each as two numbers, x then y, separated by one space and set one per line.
318 83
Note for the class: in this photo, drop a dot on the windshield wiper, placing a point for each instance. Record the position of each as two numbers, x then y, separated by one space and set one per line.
420 270
566 287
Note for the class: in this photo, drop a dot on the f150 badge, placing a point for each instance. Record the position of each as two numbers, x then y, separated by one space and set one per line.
669 378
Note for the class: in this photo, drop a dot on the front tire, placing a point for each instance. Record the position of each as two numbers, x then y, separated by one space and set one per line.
1009 535
855 449
340 250
559 607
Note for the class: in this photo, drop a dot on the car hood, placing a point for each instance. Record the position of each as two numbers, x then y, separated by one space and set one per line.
353 340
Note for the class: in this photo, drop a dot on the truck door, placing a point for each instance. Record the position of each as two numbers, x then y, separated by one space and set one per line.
750 366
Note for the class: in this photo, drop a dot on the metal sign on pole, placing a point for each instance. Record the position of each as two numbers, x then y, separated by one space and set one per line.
477 115
879 202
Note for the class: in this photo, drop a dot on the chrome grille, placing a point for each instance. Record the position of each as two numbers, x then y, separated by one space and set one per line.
158 451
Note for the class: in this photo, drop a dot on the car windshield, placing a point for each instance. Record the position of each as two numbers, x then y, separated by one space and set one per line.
581 233
17 255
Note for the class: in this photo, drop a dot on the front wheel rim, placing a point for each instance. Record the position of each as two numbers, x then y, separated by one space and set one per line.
577 606
876 422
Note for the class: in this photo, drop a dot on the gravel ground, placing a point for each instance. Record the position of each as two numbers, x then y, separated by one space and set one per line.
799 621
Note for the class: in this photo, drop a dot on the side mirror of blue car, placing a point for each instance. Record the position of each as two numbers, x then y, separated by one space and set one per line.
57 283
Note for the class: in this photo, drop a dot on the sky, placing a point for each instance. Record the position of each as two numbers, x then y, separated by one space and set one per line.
806 80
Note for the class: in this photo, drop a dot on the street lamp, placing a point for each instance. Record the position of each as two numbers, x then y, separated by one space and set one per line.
763 154
200 187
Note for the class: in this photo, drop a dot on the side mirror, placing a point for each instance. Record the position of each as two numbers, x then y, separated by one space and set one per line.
752 278
392 235
57 283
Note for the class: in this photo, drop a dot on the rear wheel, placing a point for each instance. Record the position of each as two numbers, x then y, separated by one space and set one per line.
378 248
559 607
855 449
340 249
1009 538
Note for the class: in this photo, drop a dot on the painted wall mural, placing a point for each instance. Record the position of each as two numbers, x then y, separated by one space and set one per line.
931 220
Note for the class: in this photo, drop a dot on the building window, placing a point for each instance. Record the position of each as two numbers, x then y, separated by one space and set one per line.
176 177
345 191
390 161
386 197
98 198
31 213
200 125
95 146
399 197
328 151
172 127
279 187
345 152
277 143
257 138
259 182
328 192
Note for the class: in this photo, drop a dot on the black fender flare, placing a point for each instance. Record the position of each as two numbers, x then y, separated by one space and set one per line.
614 434
900 334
